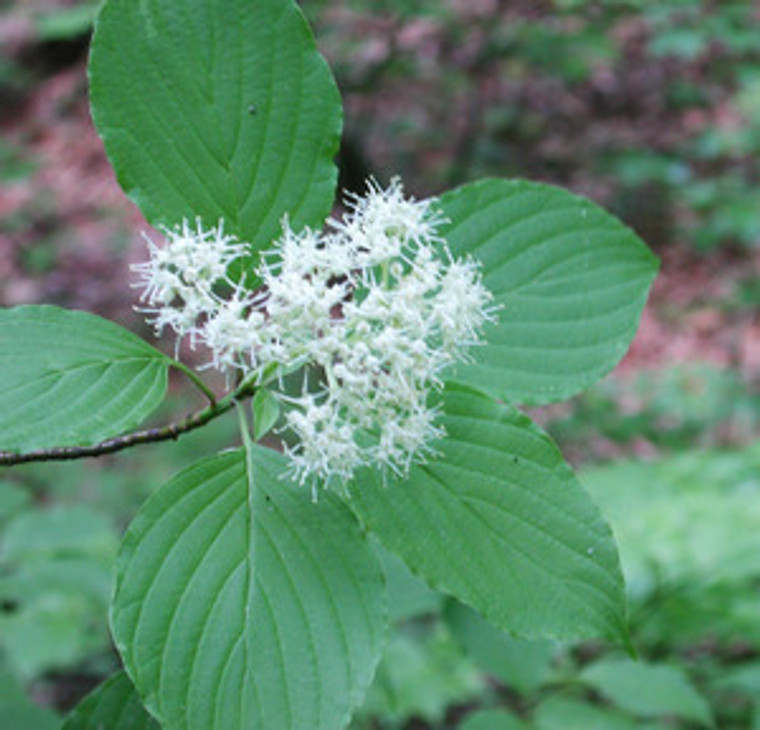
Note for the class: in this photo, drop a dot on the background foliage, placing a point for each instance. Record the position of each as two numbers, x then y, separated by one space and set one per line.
652 109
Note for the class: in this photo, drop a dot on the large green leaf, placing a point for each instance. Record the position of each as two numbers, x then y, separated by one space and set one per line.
648 690
72 379
571 281
499 521
223 110
241 603
114 705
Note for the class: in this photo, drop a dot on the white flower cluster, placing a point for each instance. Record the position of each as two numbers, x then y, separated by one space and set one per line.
180 279
375 304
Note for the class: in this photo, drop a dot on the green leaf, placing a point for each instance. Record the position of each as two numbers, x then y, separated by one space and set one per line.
56 570
500 522
72 379
242 603
55 631
492 720
422 674
59 531
13 499
17 711
266 412
742 679
67 24
522 665
408 596
114 705
82 577
558 713
654 506
223 110
571 281
648 690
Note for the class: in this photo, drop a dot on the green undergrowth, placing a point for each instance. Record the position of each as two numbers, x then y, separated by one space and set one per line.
686 525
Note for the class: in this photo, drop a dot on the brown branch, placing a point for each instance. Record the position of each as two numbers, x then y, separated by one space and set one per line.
152 435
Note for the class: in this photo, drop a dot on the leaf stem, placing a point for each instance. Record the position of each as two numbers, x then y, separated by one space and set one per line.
152 435
197 382
245 431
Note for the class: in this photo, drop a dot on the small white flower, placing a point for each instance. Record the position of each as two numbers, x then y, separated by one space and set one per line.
406 438
326 446
179 278
381 225
461 307
376 304
234 332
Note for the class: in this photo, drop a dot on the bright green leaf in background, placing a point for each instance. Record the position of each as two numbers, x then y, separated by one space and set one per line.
686 526
571 281
500 521
51 632
56 572
242 603
58 532
114 705
72 379
521 665
559 713
648 690
691 519
17 711
422 674
13 500
492 720
53 627
408 596
223 110
66 23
